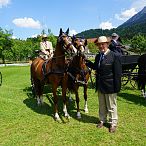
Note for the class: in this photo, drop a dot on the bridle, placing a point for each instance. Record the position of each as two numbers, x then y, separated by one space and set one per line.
66 44
79 44
73 71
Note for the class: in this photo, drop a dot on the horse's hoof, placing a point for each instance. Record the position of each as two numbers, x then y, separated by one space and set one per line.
86 111
78 115
58 120
70 99
42 103
68 117
39 104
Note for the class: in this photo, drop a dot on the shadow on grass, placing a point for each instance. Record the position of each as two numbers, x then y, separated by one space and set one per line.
91 85
85 117
133 98
45 109
48 108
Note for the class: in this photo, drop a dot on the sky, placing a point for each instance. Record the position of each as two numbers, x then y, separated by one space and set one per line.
27 18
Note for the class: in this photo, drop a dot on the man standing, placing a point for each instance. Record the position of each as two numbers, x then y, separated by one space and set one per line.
46 48
108 82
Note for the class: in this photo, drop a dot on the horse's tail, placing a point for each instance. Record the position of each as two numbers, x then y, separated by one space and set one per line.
141 78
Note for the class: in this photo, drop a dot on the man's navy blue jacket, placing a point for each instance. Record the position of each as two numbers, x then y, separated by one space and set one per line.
108 74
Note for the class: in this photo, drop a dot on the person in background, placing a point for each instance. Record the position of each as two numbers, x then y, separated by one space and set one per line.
116 45
46 48
108 82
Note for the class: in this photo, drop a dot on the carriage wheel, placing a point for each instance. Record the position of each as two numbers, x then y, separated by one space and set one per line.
133 82
0 78
126 78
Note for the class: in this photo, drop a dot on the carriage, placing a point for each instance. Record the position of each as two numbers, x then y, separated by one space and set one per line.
129 70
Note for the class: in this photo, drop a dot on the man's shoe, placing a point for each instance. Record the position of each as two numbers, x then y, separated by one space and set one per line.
112 129
100 124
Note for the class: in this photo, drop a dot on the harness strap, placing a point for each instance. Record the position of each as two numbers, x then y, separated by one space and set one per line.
44 68
80 46
67 47
76 80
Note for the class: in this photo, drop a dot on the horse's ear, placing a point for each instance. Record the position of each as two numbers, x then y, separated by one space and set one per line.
95 42
60 31
73 37
86 42
67 32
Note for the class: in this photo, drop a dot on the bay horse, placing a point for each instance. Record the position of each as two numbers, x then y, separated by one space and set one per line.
78 73
141 79
52 71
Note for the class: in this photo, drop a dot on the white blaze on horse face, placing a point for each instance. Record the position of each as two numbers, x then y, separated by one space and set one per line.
74 49
68 41
82 48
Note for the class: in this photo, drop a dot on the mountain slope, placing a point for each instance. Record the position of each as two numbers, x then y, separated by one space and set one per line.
135 25
138 18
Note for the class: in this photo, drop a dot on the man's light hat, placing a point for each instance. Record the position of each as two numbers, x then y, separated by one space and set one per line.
114 35
102 39
44 36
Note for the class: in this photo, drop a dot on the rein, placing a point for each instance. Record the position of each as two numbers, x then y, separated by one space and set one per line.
67 47
76 80
74 72
59 56
63 47
80 46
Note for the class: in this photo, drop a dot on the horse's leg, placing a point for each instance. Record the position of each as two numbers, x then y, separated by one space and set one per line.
64 89
54 90
39 92
85 98
33 87
65 110
70 98
77 102
144 91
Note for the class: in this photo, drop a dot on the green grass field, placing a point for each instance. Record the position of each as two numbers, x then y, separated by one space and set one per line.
23 123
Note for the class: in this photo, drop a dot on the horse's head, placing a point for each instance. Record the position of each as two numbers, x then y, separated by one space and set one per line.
79 58
80 43
66 41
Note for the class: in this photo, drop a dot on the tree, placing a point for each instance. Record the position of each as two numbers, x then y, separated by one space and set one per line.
92 47
52 39
138 44
5 43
